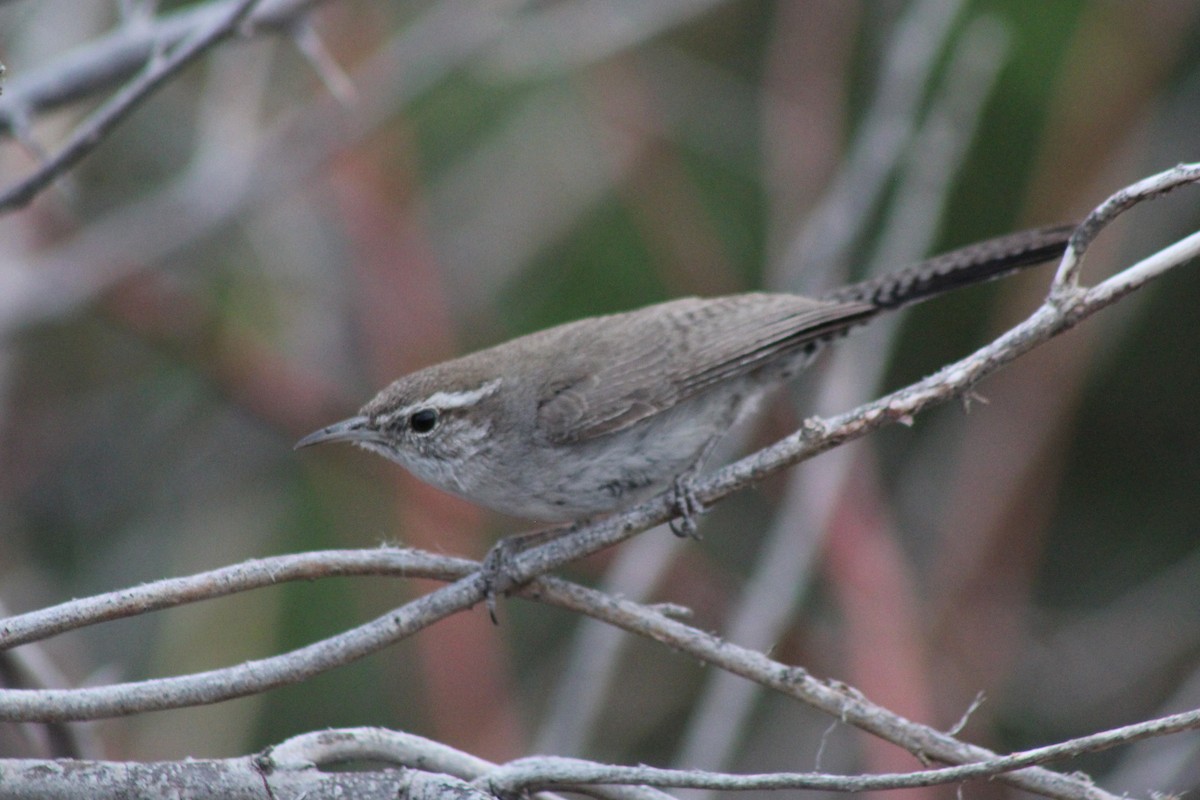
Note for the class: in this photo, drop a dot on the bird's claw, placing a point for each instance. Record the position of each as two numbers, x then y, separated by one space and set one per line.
687 506
496 569
497 573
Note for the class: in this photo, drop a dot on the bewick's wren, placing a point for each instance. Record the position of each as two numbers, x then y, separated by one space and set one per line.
589 417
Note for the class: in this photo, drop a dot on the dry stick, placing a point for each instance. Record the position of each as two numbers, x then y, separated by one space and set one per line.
432 45
555 772
338 746
103 120
114 57
835 699
436 770
218 779
254 574
244 679
838 701
403 749
535 773
290 769
1066 306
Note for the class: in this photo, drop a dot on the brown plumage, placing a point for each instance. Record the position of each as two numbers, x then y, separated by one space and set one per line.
586 417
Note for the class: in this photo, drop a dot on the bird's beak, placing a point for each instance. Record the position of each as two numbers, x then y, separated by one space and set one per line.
355 429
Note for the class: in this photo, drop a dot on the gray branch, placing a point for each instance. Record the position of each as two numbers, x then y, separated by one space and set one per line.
87 74
530 774
219 779
109 60
420 769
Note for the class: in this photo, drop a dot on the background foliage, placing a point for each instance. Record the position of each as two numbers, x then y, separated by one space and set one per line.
248 258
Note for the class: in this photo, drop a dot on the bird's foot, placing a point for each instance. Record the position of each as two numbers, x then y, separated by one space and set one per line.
687 506
497 564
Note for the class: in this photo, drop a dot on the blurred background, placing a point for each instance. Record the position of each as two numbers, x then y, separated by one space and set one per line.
301 218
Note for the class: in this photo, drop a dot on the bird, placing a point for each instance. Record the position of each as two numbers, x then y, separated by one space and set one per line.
589 417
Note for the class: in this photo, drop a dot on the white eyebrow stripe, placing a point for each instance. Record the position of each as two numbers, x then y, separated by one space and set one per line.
444 400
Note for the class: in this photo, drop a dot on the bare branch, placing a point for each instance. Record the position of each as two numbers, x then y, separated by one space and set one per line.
258 573
116 57
840 702
408 750
434 44
242 778
309 43
104 119
532 774
1067 278
430 771
323 748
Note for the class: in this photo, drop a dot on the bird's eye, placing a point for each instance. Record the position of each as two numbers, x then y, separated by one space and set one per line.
423 421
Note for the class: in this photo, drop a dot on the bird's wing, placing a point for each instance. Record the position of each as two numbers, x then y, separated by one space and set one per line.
612 376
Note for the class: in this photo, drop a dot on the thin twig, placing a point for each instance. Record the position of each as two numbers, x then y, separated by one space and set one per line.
172 218
254 574
103 120
439 769
841 702
219 779
536 773
343 745
115 57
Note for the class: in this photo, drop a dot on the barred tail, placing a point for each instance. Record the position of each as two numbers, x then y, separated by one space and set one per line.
975 263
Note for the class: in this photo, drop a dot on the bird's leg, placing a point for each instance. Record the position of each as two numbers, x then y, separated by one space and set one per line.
687 505
496 567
